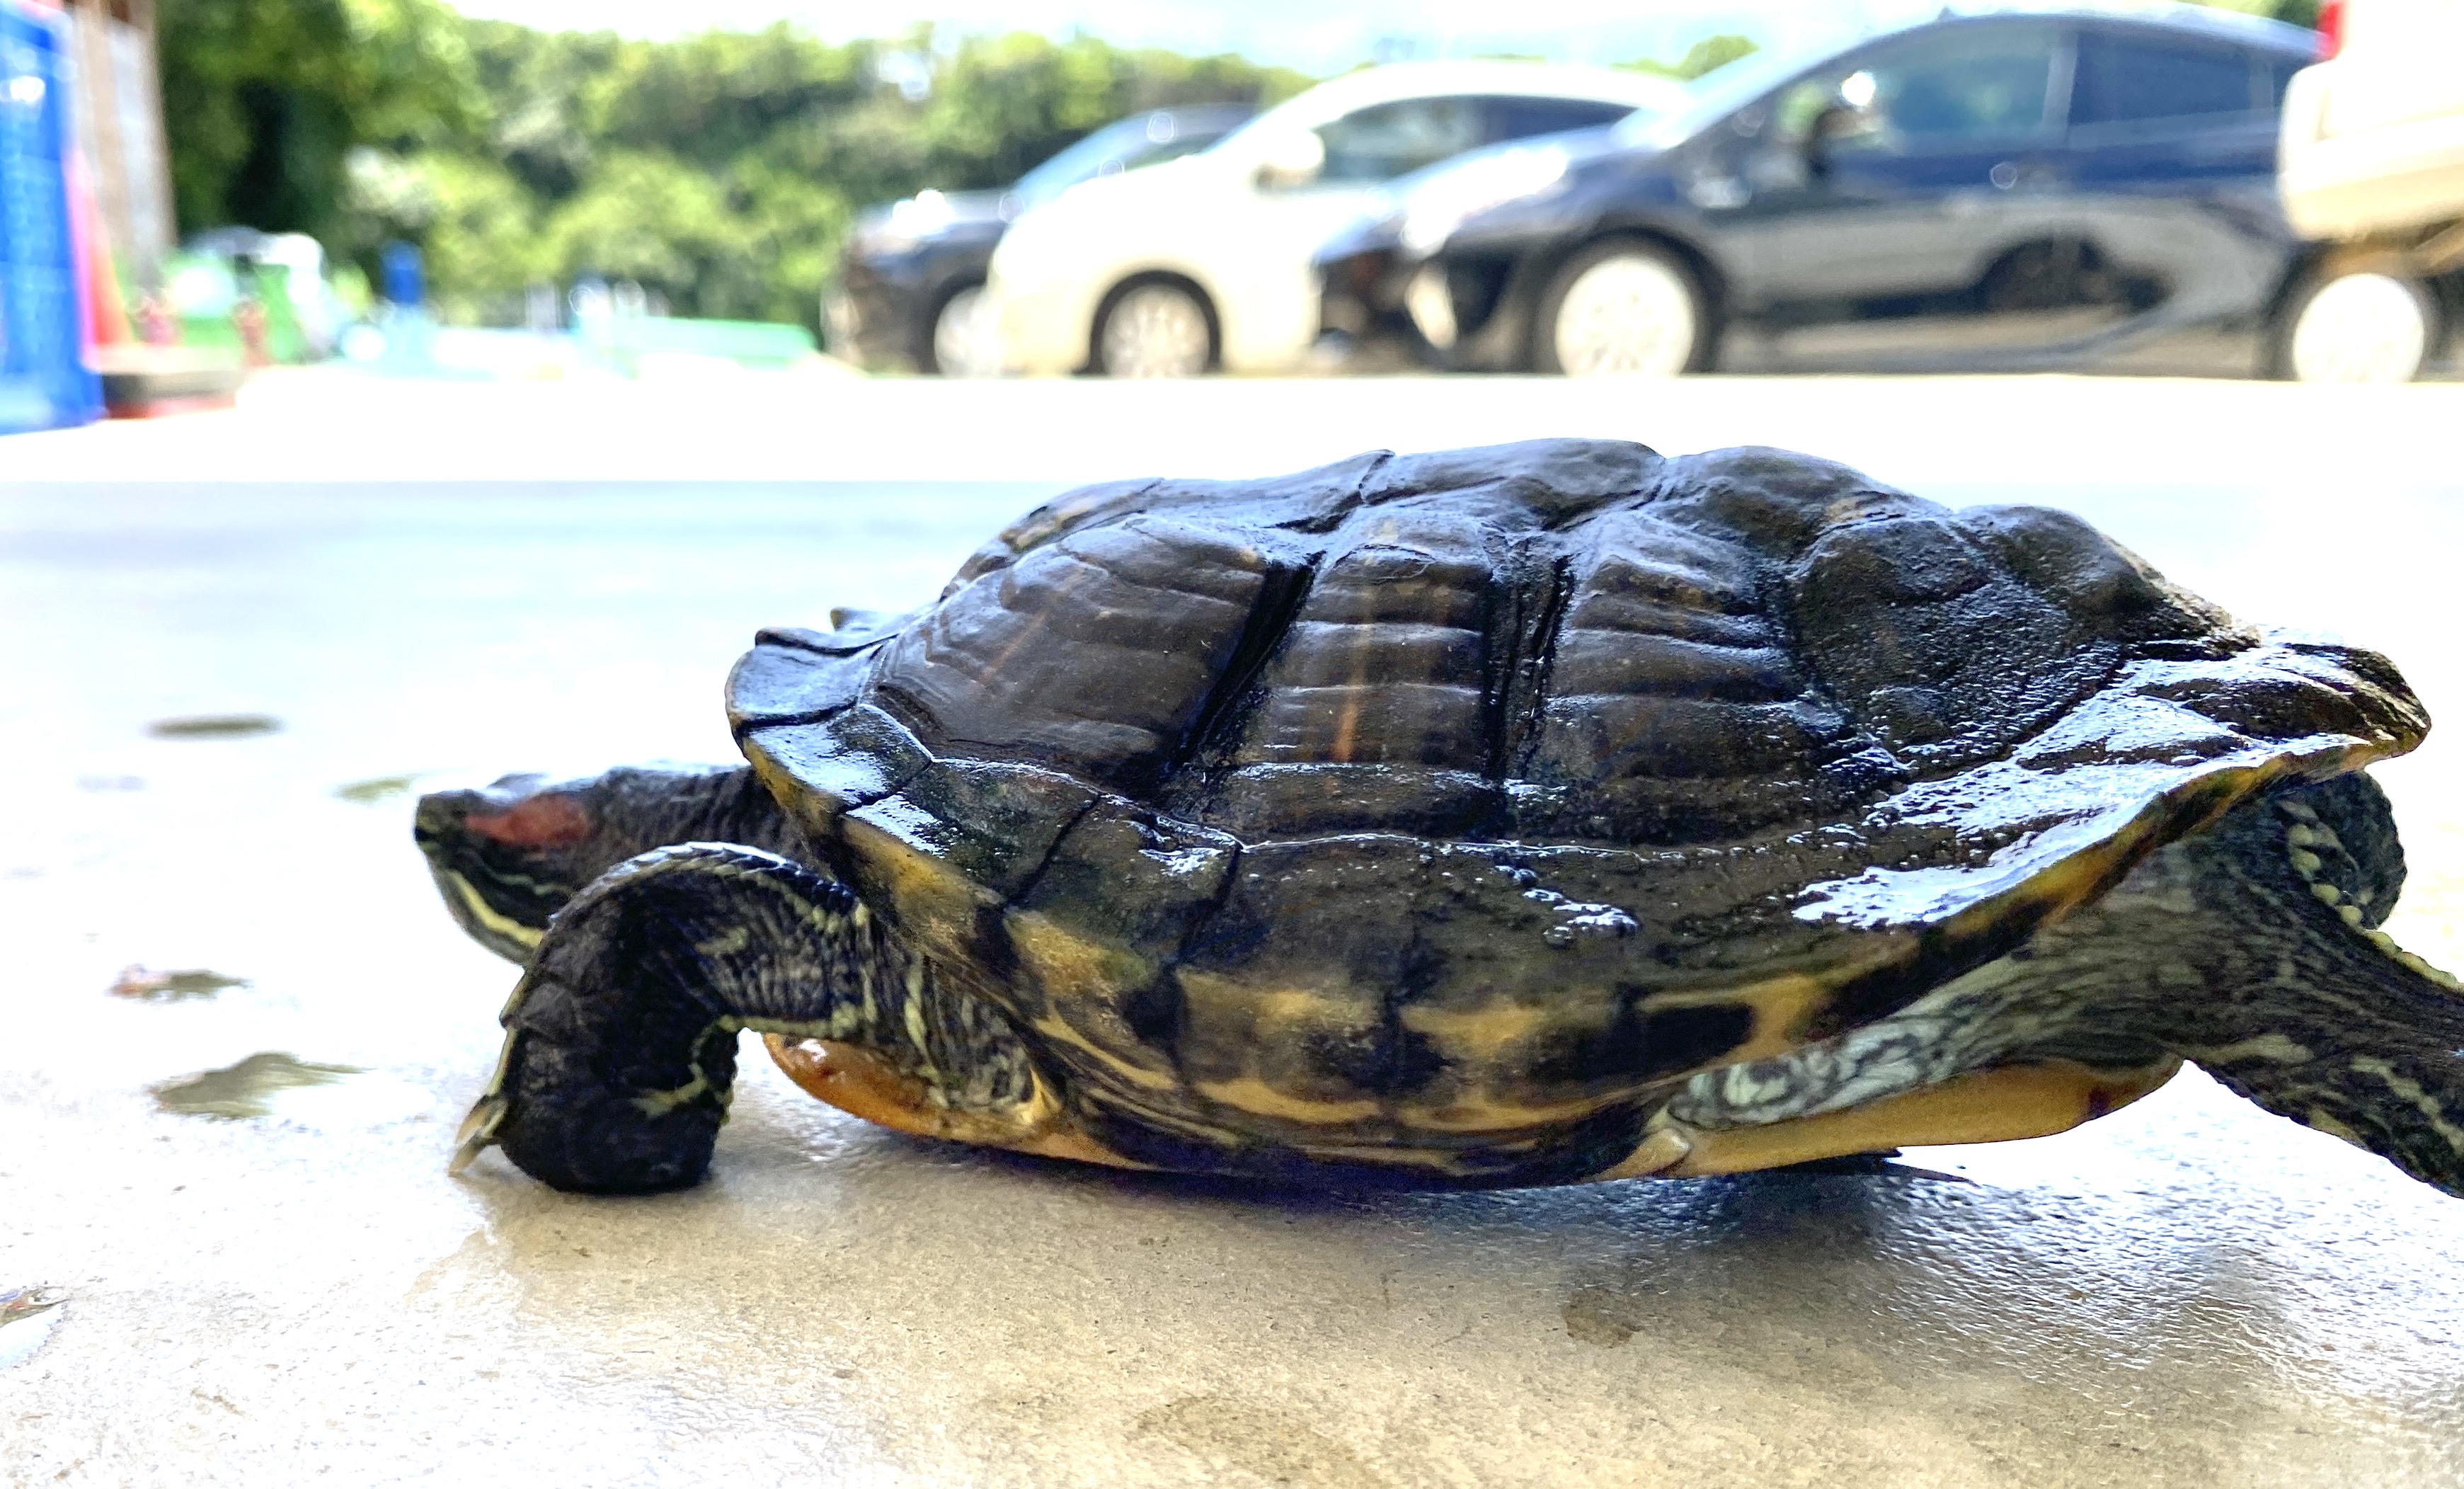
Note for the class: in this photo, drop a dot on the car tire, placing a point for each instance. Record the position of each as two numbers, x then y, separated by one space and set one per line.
964 343
2358 319
1624 307
1154 328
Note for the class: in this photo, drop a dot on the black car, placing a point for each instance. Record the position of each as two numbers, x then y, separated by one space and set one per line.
907 292
2006 191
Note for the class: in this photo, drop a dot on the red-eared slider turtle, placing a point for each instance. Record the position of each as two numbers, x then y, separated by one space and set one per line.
1506 816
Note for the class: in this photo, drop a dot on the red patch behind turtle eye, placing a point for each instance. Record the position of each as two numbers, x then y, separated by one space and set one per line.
541 822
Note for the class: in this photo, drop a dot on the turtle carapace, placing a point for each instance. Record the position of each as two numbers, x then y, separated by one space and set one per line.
1506 816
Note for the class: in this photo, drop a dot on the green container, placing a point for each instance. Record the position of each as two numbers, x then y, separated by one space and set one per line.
754 343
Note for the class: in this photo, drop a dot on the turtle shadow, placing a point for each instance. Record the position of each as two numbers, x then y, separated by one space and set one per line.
1859 1181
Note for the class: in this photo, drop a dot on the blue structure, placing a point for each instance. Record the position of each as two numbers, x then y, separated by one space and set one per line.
405 280
44 381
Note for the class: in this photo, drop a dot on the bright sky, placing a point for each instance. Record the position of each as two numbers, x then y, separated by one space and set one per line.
1314 35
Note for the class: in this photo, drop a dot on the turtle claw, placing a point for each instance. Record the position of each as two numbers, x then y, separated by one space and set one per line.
478 1131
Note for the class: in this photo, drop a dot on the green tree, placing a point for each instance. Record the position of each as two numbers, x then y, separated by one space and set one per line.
721 170
267 98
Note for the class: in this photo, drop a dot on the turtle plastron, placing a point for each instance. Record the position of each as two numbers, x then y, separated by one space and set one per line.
863 1084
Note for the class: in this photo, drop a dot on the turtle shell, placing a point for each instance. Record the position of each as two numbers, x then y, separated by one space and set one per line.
1437 814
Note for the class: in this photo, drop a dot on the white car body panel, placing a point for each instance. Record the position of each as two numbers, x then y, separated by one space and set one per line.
2373 138
1205 219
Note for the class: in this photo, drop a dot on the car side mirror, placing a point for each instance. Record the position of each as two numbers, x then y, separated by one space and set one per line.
1297 159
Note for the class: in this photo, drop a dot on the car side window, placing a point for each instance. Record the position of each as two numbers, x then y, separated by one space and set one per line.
2123 80
1387 140
1520 119
1968 86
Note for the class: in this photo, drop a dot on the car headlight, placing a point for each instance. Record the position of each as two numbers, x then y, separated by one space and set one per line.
1444 202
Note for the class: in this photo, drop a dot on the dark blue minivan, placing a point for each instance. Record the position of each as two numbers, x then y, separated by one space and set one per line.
2008 190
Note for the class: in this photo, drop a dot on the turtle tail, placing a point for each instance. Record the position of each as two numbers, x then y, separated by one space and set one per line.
2313 1011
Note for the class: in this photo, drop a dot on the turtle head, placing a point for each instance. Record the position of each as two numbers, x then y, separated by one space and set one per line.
508 856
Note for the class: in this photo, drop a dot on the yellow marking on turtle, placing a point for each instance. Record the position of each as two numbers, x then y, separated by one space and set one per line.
1782 1007
2318 1121
2275 1047
1084 980
728 943
511 929
1384 1156
1476 1112
862 1084
1476 1035
816 813
937 904
1147 1077
1068 963
2411 1090
1247 1093
1997 1106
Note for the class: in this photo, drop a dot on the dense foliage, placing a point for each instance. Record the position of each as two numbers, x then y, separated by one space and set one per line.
720 171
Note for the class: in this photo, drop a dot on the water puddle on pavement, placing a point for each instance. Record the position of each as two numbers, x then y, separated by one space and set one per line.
145 982
272 1084
27 1315
381 788
213 726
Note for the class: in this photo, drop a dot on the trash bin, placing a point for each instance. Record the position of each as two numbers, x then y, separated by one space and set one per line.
44 380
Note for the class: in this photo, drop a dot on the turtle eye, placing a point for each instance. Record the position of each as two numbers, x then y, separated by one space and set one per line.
541 822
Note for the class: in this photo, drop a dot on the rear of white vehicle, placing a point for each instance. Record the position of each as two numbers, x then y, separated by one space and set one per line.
1204 263
2373 165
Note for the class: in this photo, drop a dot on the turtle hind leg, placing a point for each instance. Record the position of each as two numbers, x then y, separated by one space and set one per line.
620 1049
2314 1013
1997 1104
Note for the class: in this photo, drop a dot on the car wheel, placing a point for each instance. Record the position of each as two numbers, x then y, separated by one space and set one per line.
2359 320
1622 309
965 341
1154 329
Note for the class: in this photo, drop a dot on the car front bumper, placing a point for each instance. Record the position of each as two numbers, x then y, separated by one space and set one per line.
1042 327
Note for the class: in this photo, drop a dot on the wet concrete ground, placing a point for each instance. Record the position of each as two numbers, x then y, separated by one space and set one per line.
2186 1293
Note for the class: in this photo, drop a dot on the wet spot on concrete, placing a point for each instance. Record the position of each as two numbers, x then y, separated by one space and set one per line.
1273 1445
213 726
143 982
377 788
246 1089
1601 1315
111 782
27 1315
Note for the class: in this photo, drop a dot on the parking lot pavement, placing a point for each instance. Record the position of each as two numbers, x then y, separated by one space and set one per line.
360 600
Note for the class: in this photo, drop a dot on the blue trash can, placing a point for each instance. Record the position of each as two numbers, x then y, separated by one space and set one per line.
44 381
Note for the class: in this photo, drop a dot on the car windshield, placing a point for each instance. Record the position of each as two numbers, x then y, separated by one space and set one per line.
1723 90
1123 145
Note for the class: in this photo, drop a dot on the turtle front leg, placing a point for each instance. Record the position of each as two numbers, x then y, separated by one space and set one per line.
620 1043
